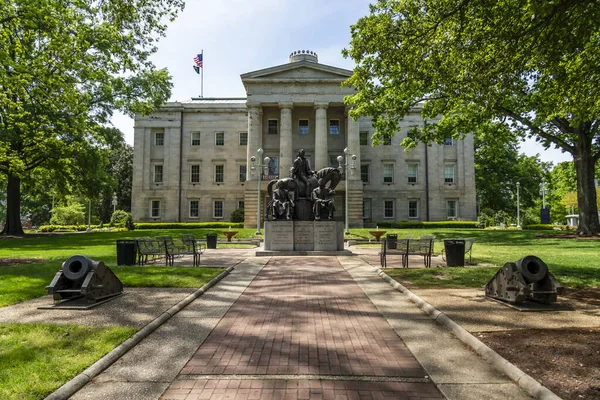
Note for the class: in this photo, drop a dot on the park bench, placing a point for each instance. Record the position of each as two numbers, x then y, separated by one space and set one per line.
190 246
468 247
406 247
150 250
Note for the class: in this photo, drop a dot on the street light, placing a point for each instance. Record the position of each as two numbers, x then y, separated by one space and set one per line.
344 167
267 160
518 206
114 202
544 191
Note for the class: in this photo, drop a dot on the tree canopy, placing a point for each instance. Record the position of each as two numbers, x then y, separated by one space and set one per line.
65 66
502 67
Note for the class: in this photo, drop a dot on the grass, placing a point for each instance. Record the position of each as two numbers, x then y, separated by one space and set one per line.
37 359
575 263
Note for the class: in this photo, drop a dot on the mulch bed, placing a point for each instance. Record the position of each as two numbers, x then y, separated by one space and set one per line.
566 236
566 361
13 262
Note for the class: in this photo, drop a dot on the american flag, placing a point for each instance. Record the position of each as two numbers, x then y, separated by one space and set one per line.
198 60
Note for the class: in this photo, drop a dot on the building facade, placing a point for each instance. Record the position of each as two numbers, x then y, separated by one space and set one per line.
199 160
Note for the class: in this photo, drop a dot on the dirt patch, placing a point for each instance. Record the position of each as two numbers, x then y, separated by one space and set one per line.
566 361
589 295
566 236
13 262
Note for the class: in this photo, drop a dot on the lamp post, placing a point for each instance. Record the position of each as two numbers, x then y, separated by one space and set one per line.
267 160
89 227
344 168
518 206
543 191
114 202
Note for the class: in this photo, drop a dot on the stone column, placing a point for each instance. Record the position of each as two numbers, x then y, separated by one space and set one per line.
321 153
286 152
354 186
254 139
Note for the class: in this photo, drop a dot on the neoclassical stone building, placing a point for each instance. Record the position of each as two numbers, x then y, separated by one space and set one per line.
193 160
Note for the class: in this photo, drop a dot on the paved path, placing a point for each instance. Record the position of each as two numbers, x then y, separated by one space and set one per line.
303 329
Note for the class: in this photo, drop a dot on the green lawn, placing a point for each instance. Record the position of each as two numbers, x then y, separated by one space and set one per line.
37 359
574 262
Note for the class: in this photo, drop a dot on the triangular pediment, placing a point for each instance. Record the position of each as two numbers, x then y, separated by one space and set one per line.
298 71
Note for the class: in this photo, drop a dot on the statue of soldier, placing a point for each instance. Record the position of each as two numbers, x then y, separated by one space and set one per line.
322 198
282 203
301 171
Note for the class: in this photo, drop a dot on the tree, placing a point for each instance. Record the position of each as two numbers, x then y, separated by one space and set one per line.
64 67
503 67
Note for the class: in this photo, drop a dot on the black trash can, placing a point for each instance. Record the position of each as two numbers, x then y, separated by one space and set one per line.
211 241
126 252
455 253
392 241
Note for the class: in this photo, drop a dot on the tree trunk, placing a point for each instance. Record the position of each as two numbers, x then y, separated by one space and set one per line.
13 207
586 188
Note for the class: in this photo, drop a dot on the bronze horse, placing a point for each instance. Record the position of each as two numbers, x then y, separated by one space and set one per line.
330 176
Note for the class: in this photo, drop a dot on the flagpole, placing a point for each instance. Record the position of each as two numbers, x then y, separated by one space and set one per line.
202 76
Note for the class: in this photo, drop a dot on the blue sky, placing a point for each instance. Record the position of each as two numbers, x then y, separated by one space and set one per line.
240 36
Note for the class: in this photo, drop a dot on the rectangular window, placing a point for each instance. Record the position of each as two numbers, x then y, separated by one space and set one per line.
364 173
334 126
218 209
364 138
243 138
194 209
242 174
158 174
159 138
388 208
219 171
303 126
412 173
273 168
155 209
388 173
241 204
451 209
272 127
195 138
413 209
219 138
333 162
367 209
448 141
387 140
449 173
195 173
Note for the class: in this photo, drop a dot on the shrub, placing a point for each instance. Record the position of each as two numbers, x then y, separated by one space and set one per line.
73 214
187 225
129 225
118 218
237 215
428 224
548 227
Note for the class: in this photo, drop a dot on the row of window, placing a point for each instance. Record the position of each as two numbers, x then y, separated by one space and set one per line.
389 208
412 174
414 208
273 127
273 169
387 141
159 138
194 208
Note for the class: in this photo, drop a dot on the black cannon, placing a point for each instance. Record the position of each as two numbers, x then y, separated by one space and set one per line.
526 279
82 277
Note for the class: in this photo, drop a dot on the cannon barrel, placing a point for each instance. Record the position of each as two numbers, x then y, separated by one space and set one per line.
77 267
532 268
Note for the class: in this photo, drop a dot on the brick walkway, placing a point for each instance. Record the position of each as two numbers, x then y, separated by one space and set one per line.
303 329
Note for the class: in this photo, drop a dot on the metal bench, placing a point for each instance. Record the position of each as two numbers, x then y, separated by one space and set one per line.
150 250
190 247
406 247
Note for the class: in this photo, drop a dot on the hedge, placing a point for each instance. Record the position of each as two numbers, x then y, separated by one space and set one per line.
186 225
429 224
65 228
548 227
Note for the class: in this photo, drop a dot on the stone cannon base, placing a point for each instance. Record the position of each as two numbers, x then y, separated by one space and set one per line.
303 236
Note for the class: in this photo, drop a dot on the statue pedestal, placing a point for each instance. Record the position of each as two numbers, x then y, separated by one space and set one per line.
304 236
